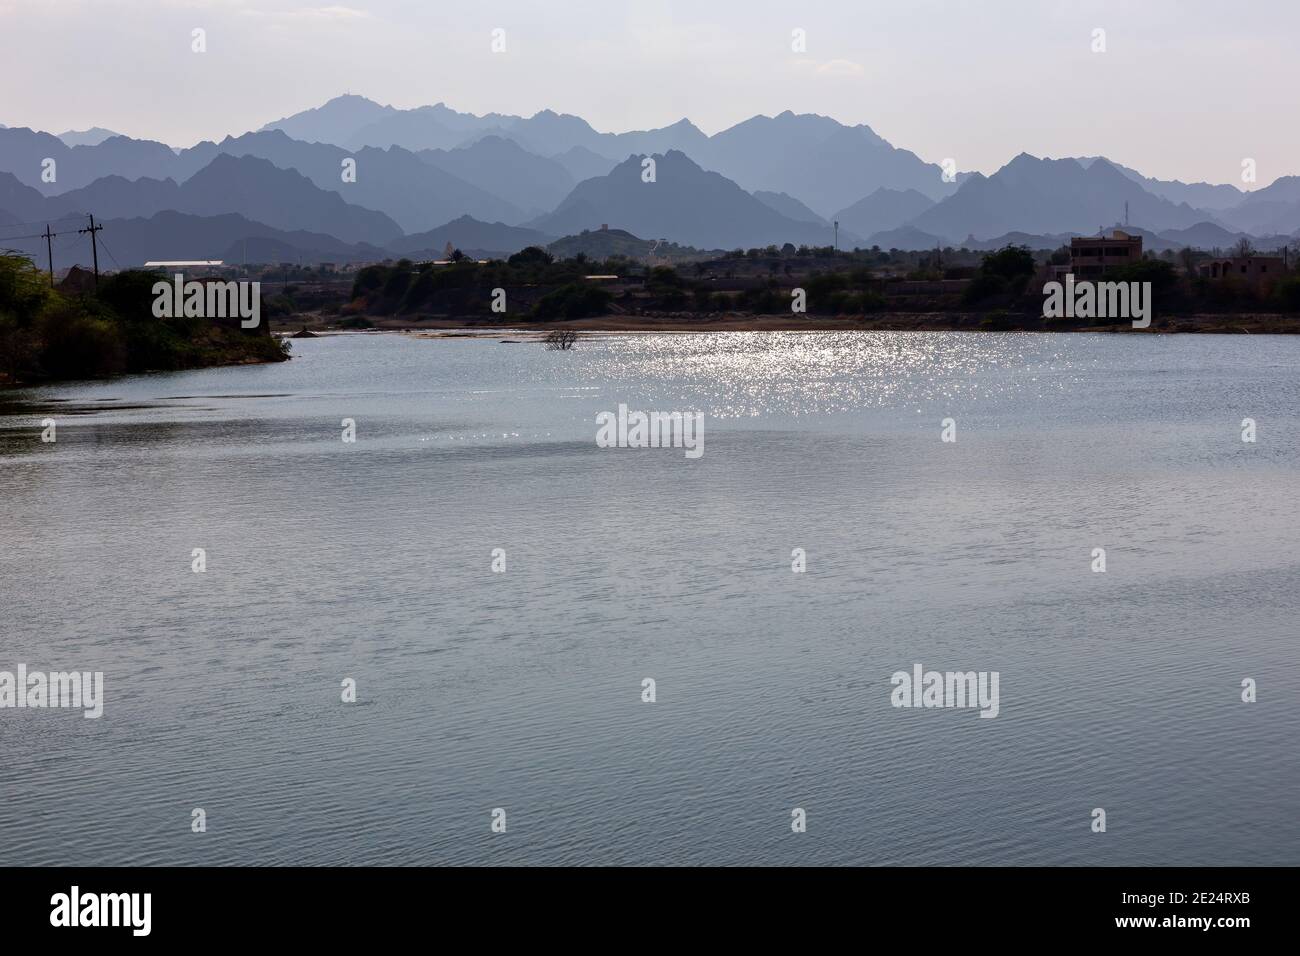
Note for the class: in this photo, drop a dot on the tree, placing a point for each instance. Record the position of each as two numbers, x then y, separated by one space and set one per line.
561 340
532 256
1009 262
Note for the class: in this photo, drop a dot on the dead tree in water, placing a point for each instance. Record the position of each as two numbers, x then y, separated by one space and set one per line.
561 339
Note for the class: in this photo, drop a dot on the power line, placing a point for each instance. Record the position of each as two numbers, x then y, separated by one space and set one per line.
110 254
34 235
49 235
41 222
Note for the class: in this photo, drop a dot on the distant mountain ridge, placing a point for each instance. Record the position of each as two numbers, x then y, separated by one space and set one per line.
247 185
508 179
1049 196
822 162
501 167
684 203
87 137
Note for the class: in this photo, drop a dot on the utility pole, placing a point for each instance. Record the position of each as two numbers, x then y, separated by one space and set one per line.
49 252
837 235
94 246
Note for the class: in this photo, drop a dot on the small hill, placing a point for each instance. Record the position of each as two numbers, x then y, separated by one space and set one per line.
905 237
470 236
606 243
1203 235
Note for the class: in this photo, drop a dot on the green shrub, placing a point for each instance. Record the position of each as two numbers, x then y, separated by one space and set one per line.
572 301
74 344
1287 293
982 288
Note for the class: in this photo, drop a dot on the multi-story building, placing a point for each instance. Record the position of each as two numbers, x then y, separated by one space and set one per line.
1092 256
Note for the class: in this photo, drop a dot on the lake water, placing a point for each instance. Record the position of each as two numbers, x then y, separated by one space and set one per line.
522 690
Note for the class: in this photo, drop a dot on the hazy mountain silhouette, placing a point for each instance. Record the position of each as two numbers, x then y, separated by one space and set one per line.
23 152
355 122
87 137
1273 209
547 133
685 204
788 206
116 196
1203 235
333 122
394 181
175 235
471 237
246 185
504 168
683 135
22 202
284 198
884 210
825 164
426 127
1201 195
1049 196
582 163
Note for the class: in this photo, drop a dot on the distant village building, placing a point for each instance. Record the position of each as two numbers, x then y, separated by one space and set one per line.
1092 256
188 267
1253 270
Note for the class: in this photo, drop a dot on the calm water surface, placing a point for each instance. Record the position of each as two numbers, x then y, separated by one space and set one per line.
522 690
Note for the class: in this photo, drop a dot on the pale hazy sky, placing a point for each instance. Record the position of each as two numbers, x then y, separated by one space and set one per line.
1186 88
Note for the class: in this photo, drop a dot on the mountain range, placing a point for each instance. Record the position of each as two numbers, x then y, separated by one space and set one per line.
355 178
683 202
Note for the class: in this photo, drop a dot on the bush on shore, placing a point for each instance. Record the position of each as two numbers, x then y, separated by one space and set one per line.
46 334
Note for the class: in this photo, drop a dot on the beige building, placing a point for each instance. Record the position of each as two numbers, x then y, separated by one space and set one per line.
1094 255
1253 270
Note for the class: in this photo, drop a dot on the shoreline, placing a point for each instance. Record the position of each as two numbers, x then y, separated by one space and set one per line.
10 385
477 327
1198 324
